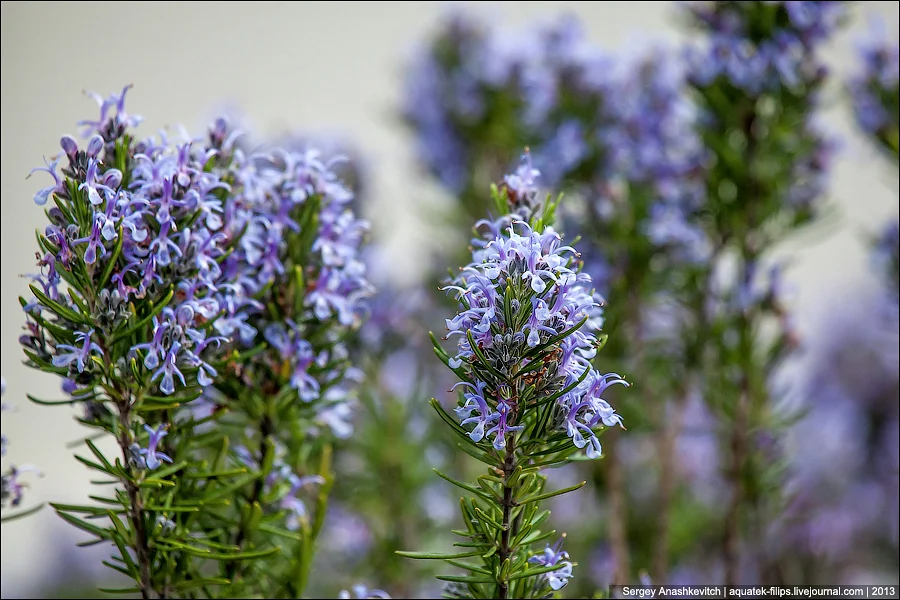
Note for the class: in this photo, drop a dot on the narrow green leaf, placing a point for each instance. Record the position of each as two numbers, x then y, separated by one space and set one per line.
133 569
91 510
537 350
54 402
84 525
505 567
489 519
170 470
540 497
277 531
115 567
465 579
486 486
533 572
190 584
536 536
149 406
111 261
150 482
106 500
468 567
445 416
45 365
481 456
59 309
78 301
244 555
171 509
228 489
201 541
90 543
436 555
460 484
99 455
21 514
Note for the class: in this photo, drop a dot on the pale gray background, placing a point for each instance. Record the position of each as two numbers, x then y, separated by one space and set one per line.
311 66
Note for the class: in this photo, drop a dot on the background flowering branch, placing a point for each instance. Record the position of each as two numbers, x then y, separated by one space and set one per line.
293 290
13 489
527 325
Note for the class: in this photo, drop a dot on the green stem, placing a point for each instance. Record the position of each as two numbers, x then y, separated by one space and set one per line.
671 426
740 424
234 570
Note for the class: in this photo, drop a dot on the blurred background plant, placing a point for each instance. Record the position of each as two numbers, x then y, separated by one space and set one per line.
688 171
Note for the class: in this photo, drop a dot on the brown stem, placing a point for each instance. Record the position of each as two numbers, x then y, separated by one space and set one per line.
505 550
136 511
738 456
618 524
670 428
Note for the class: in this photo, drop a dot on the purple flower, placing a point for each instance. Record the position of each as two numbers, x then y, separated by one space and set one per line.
107 124
875 89
362 592
149 457
169 370
41 196
299 354
95 240
292 504
522 183
553 556
73 354
886 258
11 489
474 401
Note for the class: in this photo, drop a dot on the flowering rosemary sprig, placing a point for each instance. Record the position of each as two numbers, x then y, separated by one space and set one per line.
527 329
13 489
293 292
875 92
757 81
125 311
619 136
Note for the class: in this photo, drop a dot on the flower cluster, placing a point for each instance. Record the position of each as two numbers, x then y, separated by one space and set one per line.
528 316
193 269
287 199
283 482
292 290
526 87
761 68
744 49
876 91
124 228
887 259
647 185
618 132
527 329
